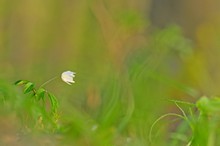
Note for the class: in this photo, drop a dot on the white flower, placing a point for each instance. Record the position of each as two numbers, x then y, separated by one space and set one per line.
68 76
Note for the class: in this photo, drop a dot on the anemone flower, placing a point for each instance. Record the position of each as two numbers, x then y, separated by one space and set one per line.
68 76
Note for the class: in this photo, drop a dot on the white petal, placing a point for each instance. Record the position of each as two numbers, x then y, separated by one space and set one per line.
68 76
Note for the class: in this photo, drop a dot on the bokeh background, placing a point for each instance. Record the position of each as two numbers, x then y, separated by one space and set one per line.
129 56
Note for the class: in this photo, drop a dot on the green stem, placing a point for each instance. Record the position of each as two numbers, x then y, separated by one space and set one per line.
47 82
161 117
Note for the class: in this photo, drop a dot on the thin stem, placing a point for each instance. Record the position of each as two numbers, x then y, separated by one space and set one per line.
161 117
48 82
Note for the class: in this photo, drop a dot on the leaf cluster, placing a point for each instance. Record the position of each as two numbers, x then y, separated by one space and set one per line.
199 124
39 98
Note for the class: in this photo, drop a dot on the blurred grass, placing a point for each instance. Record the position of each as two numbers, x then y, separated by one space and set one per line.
125 66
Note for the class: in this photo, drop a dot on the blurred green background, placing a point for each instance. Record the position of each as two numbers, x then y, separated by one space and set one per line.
129 56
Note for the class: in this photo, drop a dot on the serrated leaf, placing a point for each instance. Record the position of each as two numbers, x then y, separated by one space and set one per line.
53 101
40 93
28 87
21 82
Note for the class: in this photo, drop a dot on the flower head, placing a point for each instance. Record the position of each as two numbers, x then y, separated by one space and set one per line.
68 76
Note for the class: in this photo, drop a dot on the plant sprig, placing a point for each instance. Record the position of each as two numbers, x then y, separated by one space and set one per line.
39 95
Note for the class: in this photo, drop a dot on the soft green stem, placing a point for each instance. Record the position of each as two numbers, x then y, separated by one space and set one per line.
211 139
48 82
161 117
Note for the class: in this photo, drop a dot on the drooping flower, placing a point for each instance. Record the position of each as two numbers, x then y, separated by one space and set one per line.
68 76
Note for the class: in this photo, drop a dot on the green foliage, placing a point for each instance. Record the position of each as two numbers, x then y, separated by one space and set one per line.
36 106
203 122
127 66
41 94
129 101
53 102
21 82
29 87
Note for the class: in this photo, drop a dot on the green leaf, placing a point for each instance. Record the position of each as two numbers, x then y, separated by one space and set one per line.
21 82
40 93
53 101
28 87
